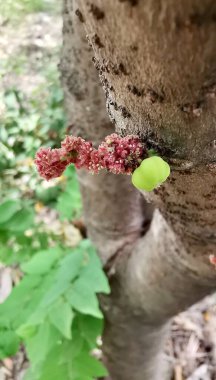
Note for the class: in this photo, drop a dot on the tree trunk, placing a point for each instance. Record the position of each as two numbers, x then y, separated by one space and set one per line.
156 62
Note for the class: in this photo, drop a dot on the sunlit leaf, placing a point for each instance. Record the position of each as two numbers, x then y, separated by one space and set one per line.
61 317
42 262
8 209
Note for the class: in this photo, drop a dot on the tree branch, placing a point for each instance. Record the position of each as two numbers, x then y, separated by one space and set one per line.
156 275
159 80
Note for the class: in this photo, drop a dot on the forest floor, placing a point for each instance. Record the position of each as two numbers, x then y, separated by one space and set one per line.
29 47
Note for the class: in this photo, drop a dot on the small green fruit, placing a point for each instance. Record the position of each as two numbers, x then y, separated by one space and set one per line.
151 173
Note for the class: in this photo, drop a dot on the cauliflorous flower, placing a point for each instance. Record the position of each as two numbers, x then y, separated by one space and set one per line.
77 150
119 155
50 163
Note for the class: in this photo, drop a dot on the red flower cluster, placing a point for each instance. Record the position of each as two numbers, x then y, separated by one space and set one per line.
117 155
50 163
121 155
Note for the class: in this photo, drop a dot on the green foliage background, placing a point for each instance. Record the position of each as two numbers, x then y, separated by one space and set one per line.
53 308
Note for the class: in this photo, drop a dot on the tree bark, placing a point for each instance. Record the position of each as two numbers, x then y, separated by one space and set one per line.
156 62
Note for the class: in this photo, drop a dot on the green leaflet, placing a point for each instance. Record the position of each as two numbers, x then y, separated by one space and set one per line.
42 262
69 269
91 328
8 209
55 312
21 221
86 365
69 201
82 295
9 343
61 316
93 275
83 299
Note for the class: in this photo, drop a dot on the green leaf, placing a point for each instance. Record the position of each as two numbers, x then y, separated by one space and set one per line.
87 366
9 343
82 298
21 221
52 371
8 209
94 275
23 304
42 262
48 195
70 266
69 202
54 367
77 344
19 297
33 313
56 290
26 331
95 278
69 269
91 328
42 343
61 317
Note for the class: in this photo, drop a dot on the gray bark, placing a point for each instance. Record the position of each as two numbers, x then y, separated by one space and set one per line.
156 62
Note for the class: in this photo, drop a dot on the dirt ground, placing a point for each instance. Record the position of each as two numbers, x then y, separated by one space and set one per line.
191 348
